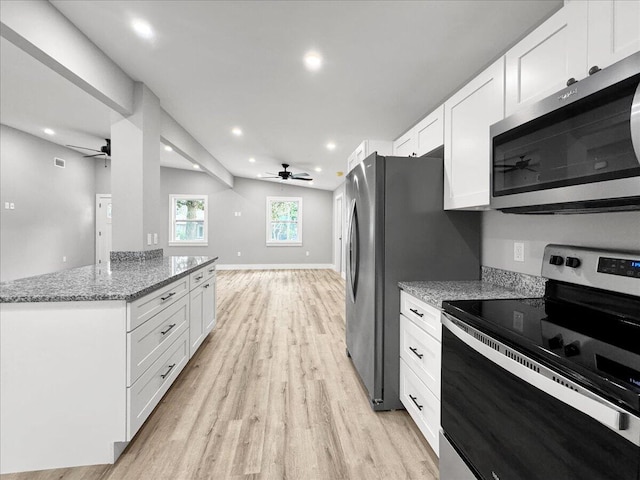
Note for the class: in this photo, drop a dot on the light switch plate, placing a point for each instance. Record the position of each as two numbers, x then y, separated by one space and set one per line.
148 239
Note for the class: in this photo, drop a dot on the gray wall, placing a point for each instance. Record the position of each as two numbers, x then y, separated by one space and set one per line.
54 207
602 230
229 234
103 176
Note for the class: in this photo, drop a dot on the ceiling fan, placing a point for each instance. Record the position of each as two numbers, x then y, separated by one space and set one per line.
287 175
104 150
522 164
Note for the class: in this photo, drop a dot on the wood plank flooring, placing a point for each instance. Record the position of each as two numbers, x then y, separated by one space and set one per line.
269 395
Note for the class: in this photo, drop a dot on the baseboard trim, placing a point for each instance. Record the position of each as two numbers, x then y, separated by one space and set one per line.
277 266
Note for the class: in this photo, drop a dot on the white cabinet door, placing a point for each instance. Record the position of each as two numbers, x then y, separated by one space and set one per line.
406 145
468 116
429 133
544 60
614 31
209 305
196 319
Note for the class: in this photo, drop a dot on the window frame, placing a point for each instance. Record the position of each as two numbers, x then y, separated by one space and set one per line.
283 243
172 221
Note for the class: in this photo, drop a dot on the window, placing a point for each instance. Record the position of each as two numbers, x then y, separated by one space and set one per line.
284 221
188 220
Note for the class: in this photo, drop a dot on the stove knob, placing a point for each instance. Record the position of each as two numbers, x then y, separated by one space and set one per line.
556 342
572 262
572 349
556 260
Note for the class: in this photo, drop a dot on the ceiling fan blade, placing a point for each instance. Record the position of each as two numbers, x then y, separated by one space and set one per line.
305 179
300 175
531 170
269 177
95 155
84 148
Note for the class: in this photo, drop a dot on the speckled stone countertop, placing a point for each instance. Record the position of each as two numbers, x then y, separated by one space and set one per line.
124 280
434 293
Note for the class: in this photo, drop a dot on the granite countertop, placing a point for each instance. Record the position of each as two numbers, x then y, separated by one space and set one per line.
434 292
122 280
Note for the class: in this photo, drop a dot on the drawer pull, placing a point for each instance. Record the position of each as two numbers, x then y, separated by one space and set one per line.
163 376
168 329
199 277
206 286
211 270
168 296
415 352
417 312
414 401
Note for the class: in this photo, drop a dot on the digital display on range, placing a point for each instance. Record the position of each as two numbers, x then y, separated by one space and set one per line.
619 266
618 370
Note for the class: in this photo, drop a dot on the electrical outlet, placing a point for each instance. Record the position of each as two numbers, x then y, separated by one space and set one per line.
155 238
518 251
64 259
12 205
518 320
148 239
6 205
307 253
239 254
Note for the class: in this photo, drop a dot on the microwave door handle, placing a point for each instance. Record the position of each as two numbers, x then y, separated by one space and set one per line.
634 123
599 411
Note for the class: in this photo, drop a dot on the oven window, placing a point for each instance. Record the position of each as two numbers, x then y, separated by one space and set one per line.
584 142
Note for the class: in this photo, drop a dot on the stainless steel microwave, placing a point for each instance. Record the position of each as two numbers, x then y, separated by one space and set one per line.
575 151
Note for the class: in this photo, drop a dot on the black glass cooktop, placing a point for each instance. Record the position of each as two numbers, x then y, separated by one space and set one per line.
593 343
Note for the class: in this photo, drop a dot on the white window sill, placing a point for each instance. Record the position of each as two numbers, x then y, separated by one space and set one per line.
188 244
284 244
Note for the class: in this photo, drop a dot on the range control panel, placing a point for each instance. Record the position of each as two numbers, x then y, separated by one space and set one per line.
619 266
608 270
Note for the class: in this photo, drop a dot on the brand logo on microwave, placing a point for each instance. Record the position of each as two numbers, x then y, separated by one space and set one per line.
566 95
495 475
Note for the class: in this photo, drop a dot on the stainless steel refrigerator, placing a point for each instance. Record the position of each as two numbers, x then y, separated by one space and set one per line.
397 231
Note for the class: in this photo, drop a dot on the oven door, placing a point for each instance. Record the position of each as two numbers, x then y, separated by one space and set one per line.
509 421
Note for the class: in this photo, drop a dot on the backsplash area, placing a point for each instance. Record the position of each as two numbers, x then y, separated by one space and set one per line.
529 285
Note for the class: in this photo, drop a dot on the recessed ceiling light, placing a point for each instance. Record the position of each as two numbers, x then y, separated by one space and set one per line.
236 131
168 148
196 166
252 160
331 146
313 61
48 131
142 29
318 169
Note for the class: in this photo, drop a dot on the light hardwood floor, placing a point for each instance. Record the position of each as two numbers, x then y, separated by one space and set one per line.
270 395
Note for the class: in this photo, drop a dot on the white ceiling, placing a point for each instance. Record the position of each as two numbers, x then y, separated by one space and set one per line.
219 64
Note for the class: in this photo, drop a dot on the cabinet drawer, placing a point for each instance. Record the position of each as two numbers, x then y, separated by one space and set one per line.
142 309
147 342
148 390
201 275
421 404
425 316
422 352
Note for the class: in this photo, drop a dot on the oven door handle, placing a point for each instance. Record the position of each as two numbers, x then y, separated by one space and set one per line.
603 413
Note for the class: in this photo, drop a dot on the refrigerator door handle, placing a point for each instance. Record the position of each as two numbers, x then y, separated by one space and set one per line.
354 251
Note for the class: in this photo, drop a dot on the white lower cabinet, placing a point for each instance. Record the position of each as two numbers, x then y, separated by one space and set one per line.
420 365
202 317
148 390
422 405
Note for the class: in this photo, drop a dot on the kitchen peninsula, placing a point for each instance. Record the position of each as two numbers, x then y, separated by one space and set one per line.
87 353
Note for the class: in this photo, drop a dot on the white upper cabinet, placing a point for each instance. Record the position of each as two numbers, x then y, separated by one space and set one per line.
614 31
366 148
406 145
468 115
423 138
541 63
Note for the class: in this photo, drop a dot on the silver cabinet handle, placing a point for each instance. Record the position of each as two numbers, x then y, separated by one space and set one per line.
417 312
168 329
164 375
199 277
168 296
206 286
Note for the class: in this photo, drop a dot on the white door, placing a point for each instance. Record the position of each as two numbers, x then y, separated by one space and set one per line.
103 228
339 222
